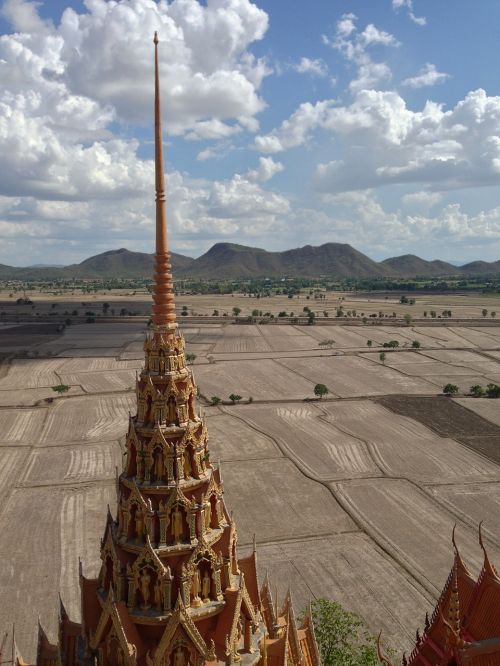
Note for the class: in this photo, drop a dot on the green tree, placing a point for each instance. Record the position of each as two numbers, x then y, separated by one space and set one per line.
477 390
184 312
60 388
215 400
484 312
236 311
382 356
493 391
415 344
190 358
369 343
343 638
450 389
408 318
311 318
234 397
320 390
493 314
215 313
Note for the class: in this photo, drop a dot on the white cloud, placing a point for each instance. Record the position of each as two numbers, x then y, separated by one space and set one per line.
295 130
421 199
265 171
408 4
427 76
317 67
211 77
354 45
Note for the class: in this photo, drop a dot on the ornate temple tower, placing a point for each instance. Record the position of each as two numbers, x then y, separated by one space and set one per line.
171 590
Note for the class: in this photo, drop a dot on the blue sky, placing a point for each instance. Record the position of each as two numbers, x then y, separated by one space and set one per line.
374 123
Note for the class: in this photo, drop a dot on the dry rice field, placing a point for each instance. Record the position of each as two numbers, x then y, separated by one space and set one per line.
351 497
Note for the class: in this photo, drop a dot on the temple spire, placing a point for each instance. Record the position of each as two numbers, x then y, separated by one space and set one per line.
163 292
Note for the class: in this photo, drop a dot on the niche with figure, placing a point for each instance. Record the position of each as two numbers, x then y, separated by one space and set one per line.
136 523
171 415
178 532
179 656
187 462
214 516
148 411
158 465
202 584
191 414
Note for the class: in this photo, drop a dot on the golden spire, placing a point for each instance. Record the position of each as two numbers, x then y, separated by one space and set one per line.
163 292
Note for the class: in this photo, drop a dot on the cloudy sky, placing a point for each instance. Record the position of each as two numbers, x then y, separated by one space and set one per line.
370 122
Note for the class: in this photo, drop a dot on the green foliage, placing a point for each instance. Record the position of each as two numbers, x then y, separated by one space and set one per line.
215 400
415 344
190 358
493 391
311 318
236 311
326 343
392 344
477 390
320 390
60 388
450 389
343 638
234 397
369 343
408 319
382 356
484 312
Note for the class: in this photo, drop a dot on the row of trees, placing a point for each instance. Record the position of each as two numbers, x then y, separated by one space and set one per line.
478 391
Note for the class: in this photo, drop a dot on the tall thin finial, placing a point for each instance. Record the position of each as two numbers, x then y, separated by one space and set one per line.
163 292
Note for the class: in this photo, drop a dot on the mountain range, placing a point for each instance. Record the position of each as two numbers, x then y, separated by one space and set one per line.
231 261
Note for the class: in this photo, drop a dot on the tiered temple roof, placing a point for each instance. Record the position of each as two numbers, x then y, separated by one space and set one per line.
464 629
172 590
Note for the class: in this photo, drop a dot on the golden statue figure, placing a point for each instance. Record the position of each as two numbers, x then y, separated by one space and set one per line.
177 524
139 525
208 516
187 465
205 588
158 594
179 658
145 579
158 465
195 588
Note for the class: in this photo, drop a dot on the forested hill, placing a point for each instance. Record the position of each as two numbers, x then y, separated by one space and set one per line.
228 260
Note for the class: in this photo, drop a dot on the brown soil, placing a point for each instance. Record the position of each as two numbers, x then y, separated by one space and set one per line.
28 334
449 419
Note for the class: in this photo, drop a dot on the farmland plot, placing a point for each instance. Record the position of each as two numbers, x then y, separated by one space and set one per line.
97 382
11 469
232 439
412 525
287 338
444 336
26 397
344 337
474 502
88 418
467 359
485 338
45 559
487 408
262 379
57 464
78 365
21 426
272 499
348 376
404 447
31 373
352 570
241 338
320 448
